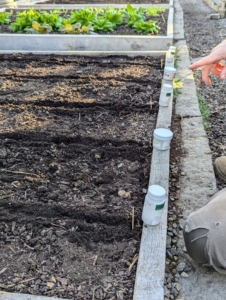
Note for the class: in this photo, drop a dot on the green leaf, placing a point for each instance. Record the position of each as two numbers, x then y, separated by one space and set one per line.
154 11
130 9
149 27
103 24
4 18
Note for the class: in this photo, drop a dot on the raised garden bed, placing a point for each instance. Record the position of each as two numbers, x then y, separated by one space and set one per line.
75 161
157 2
130 42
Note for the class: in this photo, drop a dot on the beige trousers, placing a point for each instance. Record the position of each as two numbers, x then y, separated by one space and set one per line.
205 233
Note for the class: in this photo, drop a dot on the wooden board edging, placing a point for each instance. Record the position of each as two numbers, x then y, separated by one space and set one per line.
149 283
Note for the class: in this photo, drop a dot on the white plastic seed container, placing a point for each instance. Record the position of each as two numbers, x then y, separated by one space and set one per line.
169 73
162 138
153 205
172 50
165 94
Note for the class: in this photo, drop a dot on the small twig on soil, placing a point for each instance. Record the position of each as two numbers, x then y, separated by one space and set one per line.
14 185
119 295
13 226
2 271
79 116
26 280
11 248
149 154
95 260
150 103
19 172
60 226
163 19
28 247
97 287
133 262
132 217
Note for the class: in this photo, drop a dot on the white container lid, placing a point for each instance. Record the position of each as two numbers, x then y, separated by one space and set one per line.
170 69
167 87
172 48
163 134
157 192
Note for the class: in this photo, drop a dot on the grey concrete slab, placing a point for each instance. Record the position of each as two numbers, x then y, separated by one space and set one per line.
178 21
187 102
199 182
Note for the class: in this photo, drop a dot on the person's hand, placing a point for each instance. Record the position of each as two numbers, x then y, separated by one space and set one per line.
211 63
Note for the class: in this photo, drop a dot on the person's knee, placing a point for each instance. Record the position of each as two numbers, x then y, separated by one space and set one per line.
195 242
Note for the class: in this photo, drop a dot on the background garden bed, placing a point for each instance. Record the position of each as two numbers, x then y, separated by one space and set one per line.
104 1
75 160
81 43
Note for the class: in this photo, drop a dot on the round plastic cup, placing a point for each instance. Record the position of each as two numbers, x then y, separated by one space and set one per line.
153 205
165 94
169 73
162 138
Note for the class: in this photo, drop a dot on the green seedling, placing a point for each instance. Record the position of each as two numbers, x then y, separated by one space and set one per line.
103 24
132 16
154 11
84 16
113 16
4 18
37 28
149 27
204 110
177 85
76 28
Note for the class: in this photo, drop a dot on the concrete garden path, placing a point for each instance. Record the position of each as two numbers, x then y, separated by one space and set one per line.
199 182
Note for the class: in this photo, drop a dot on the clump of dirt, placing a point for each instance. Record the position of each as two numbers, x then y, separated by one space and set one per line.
75 136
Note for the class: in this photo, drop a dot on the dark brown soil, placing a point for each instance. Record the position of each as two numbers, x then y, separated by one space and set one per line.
161 21
75 154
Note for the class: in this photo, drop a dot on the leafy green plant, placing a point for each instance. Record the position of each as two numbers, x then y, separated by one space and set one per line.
177 85
51 18
103 24
24 20
132 15
4 18
85 16
37 28
154 11
76 28
149 27
19 25
113 16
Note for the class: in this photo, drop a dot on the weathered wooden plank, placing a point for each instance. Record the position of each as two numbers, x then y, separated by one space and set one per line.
150 275
149 284
16 296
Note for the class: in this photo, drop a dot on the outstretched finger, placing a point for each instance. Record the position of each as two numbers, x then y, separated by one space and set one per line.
205 75
210 59
223 73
